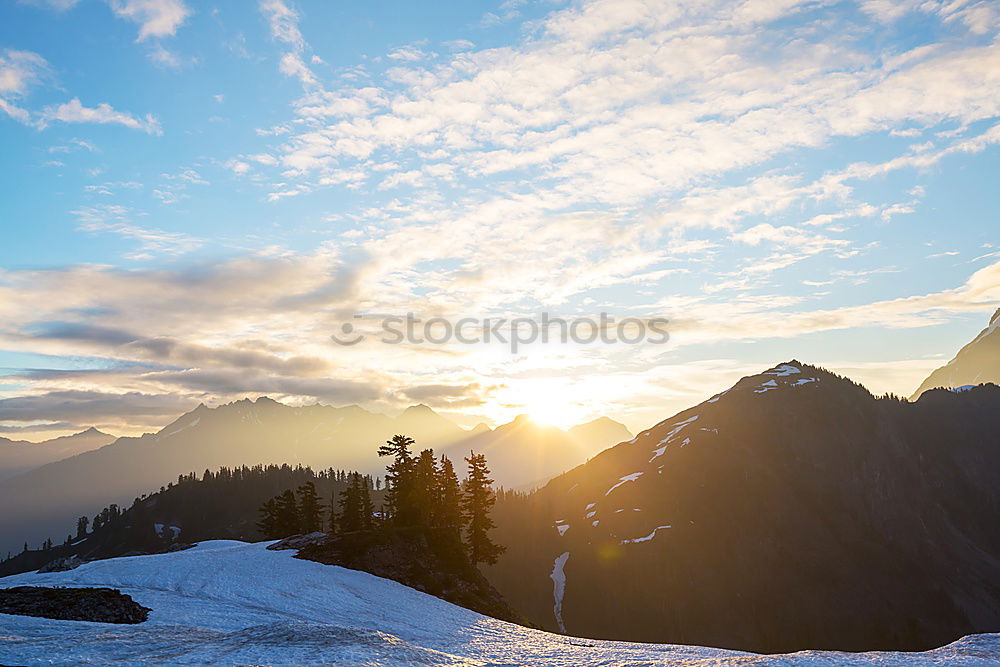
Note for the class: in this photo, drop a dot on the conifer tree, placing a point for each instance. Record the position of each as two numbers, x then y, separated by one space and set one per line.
332 519
479 500
398 478
424 495
367 510
449 513
350 506
310 509
268 524
287 514
81 527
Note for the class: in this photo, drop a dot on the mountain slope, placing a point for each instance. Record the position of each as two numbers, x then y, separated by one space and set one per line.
794 510
237 603
17 456
976 363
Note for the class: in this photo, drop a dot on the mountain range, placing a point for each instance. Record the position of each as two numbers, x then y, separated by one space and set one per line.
794 510
17 456
44 502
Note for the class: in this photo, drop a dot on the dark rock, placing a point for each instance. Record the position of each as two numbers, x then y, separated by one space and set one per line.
101 605
300 541
63 564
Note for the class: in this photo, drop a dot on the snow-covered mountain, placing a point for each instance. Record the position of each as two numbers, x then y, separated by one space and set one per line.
44 502
232 603
17 456
793 510
976 363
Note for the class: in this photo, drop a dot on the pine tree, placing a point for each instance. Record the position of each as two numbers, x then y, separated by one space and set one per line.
398 482
449 512
424 496
333 519
310 509
367 510
268 524
287 514
350 506
81 527
479 500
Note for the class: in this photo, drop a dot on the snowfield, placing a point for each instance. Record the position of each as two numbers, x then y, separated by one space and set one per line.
233 603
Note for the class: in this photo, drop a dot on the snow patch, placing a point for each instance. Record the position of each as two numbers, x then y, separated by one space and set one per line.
647 538
767 386
558 577
162 531
627 478
804 381
562 529
783 370
194 422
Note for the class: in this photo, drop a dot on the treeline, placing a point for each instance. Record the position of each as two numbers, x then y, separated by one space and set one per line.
421 492
219 504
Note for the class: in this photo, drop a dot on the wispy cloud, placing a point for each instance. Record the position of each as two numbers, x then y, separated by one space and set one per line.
156 18
284 25
75 112
19 72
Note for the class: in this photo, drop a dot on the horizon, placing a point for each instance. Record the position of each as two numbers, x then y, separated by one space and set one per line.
200 206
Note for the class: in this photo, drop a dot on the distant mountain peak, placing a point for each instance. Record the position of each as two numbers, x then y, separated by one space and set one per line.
419 408
977 362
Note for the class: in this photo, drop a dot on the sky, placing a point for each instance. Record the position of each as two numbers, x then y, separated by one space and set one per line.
197 196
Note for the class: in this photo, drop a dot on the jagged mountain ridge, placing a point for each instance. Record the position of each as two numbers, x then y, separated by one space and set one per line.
17 456
41 503
793 510
976 363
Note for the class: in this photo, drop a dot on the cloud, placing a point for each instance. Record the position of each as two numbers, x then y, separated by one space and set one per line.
57 5
449 395
283 22
74 112
116 219
19 72
156 18
42 426
91 406
407 54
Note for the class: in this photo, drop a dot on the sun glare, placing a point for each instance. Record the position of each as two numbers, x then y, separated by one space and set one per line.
546 401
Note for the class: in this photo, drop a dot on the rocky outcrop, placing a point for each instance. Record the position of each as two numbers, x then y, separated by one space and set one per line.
101 605
63 564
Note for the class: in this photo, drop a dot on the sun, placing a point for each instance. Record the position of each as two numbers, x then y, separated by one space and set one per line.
546 401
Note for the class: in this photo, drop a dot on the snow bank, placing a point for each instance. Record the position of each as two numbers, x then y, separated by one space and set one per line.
229 603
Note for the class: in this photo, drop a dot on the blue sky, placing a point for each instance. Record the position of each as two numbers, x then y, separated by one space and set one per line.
197 195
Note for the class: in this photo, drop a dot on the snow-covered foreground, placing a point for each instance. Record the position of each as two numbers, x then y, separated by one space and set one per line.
234 603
